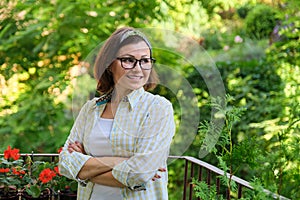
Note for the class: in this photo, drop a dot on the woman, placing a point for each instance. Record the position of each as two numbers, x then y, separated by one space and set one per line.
119 143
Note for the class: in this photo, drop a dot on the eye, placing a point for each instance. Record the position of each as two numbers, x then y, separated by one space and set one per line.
128 60
145 60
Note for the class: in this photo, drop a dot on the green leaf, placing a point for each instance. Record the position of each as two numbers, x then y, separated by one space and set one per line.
34 191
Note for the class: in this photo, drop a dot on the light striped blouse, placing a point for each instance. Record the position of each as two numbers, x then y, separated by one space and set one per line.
142 130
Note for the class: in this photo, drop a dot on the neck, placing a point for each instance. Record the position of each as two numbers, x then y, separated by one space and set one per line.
118 94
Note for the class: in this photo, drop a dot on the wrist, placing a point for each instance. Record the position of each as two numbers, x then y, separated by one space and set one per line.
82 182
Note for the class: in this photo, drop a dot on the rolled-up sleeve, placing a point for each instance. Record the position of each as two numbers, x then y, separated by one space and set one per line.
151 147
71 163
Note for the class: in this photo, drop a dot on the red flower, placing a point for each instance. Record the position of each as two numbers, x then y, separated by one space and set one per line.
14 171
4 170
59 150
15 154
17 172
11 153
56 170
46 175
7 153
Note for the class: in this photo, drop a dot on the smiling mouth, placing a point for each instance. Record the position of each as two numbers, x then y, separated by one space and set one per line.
133 77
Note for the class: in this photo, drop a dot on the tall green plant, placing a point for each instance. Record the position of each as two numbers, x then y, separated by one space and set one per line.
230 155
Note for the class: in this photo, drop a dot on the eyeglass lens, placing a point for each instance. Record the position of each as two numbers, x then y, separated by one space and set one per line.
129 62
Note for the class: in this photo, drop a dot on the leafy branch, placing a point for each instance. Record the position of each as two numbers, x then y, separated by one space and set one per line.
230 156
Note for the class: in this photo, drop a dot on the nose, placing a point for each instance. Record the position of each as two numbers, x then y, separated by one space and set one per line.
137 66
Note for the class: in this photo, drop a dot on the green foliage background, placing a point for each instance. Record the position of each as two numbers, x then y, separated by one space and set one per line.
43 42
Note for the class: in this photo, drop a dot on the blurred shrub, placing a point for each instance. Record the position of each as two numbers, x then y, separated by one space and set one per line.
246 51
212 39
260 21
253 84
283 145
286 49
244 10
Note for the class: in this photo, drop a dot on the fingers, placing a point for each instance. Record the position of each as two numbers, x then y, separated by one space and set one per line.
156 176
72 147
76 146
162 169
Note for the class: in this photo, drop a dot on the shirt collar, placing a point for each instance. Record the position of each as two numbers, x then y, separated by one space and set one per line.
134 96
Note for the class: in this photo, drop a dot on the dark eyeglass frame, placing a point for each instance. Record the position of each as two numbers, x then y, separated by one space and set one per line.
121 59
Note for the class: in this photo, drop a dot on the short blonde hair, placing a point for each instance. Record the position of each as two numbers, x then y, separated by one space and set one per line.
108 54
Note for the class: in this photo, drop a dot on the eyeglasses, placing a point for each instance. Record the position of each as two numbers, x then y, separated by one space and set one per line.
130 62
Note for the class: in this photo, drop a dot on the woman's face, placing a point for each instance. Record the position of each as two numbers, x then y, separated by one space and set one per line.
127 80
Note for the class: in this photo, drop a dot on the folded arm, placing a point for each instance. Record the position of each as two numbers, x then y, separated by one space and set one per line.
94 166
99 169
152 148
98 165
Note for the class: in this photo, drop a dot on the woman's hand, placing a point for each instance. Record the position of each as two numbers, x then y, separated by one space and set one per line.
76 146
156 176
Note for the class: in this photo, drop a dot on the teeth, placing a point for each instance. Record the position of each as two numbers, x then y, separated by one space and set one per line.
134 77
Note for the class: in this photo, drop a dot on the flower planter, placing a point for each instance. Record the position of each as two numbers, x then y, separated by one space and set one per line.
67 195
23 178
45 195
10 197
10 194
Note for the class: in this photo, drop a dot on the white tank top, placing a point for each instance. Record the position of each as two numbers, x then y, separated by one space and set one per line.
100 146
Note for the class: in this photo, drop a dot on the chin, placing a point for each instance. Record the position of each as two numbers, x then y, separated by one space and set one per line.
131 85
135 87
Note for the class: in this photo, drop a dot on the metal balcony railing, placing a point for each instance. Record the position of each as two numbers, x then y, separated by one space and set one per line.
193 169
202 171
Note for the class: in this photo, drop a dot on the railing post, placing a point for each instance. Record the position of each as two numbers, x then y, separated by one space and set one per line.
52 158
199 175
185 179
228 194
191 185
208 177
218 185
32 155
240 188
